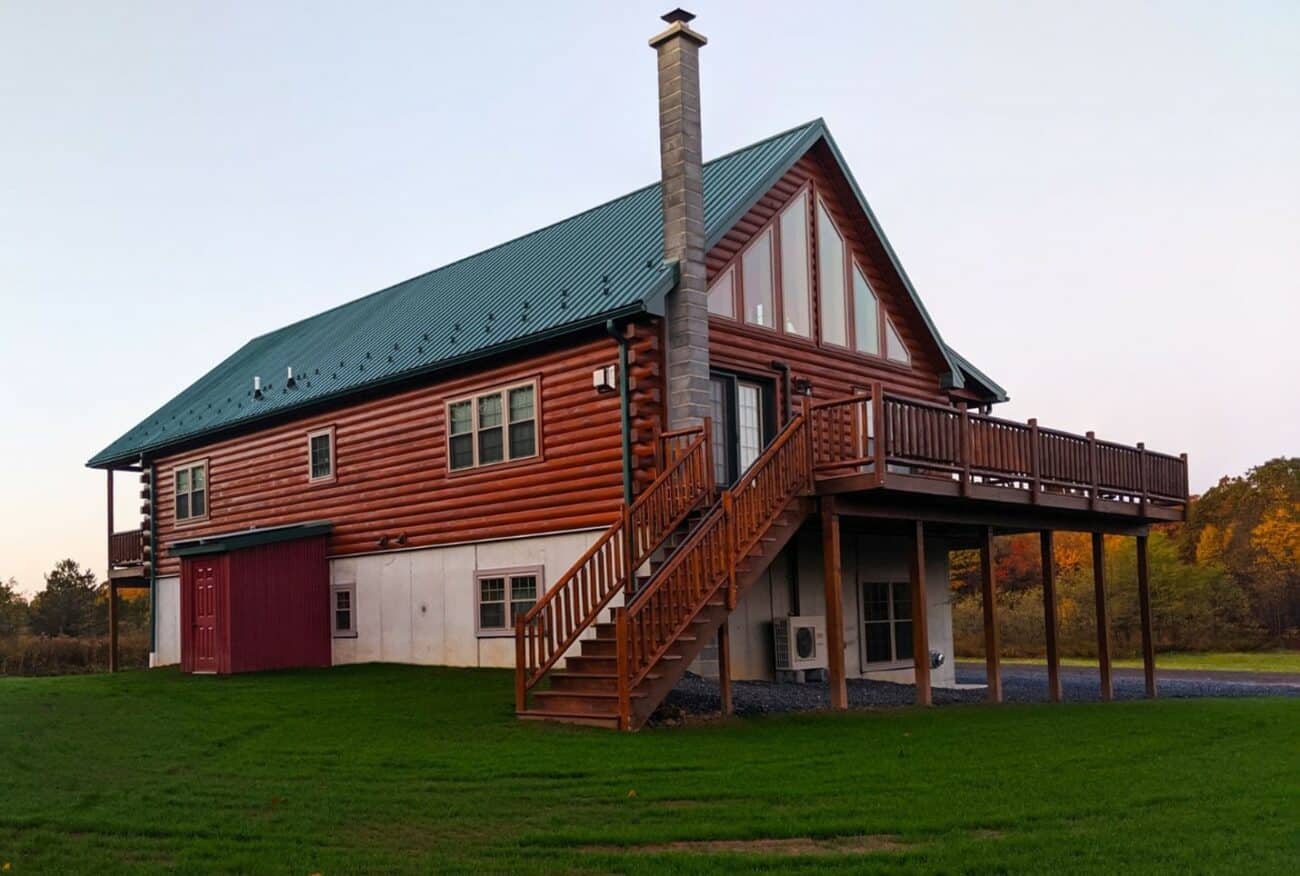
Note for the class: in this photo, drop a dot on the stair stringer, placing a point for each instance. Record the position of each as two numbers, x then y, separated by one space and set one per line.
669 669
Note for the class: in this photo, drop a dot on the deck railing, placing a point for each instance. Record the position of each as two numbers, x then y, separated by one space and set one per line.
555 622
126 548
917 437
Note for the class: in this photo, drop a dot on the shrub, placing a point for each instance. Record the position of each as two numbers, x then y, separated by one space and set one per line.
65 655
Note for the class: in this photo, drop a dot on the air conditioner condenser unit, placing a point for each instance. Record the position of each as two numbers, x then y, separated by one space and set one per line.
800 643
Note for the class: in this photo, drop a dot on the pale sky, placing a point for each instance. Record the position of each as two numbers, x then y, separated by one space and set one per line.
1099 203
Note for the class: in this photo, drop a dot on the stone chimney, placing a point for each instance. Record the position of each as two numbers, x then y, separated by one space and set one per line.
681 163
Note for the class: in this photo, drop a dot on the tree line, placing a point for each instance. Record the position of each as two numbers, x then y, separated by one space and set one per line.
1227 579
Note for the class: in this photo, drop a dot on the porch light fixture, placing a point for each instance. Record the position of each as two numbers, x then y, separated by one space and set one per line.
605 379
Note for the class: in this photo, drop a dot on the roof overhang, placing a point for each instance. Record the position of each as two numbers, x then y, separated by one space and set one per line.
246 538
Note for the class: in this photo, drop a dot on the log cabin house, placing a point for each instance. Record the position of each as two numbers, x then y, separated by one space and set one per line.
707 424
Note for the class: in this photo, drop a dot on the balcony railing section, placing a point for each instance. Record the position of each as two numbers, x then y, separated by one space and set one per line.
884 434
126 549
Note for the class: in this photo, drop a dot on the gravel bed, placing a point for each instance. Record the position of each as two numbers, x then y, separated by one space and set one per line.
694 696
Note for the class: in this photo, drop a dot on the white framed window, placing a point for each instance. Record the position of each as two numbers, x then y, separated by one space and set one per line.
320 455
886 622
343 610
487 428
191 491
895 349
831 276
501 595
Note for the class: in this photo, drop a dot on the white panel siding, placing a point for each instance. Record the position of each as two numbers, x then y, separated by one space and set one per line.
167 623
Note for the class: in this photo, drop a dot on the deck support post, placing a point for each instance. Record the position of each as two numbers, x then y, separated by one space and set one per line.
1103 620
1050 616
834 604
920 627
724 668
112 626
1144 603
992 661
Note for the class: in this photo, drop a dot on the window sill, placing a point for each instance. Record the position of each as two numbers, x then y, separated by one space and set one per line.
345 635
496 634
887 665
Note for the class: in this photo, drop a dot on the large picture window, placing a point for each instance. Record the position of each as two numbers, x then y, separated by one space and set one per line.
830 274
795 284
756 281
887 622
491 427
503 595
191 491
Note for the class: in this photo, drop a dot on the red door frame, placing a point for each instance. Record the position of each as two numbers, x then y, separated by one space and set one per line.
204 614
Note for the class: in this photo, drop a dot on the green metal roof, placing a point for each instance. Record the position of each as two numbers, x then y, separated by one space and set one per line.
604 263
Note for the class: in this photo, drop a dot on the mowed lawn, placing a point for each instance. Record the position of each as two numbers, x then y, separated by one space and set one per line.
393 768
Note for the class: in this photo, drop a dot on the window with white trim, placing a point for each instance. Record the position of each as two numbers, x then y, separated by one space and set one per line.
191 490
343 610
492 427
504 594
887 622
320 455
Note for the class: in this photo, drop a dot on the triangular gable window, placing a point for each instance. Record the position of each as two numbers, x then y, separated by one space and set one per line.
866 315
722 294
895 349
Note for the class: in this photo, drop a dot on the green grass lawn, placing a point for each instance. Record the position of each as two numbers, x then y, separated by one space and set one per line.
1248 661
390 768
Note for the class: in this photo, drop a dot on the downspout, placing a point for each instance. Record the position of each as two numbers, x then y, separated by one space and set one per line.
625 405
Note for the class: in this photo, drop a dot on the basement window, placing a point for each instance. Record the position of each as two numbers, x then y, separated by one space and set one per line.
503 595
492 427
887 622
191 491
343 611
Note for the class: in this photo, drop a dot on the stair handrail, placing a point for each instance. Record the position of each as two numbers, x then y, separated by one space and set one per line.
569 606
651 621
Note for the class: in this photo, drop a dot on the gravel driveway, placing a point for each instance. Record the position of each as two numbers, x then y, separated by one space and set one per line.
694 695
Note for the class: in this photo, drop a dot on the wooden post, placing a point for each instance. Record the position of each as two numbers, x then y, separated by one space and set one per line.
521 691
1035 462
1092 470
1143 484
621 645
1050 618
724 667
834 604
878 430
965 449
1144 602
109 472
112 626
1103 621
920 628
629 548
992 662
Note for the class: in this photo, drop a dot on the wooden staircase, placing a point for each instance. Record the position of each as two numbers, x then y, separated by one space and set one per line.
705 558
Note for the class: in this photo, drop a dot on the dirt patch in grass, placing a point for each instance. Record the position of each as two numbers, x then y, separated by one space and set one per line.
796 845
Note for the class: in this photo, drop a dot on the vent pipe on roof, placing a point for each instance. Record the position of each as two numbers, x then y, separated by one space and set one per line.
257 387
681 163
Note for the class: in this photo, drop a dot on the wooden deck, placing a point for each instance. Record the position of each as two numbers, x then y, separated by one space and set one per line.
892 448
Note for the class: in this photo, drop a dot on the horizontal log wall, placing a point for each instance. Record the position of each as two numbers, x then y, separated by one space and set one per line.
833 372
391 463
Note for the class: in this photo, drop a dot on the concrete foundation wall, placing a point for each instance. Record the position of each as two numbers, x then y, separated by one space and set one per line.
420 607
167 622
863 559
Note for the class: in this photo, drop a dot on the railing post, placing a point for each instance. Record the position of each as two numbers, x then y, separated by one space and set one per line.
965 450
1142 477
805 407
1092 470
1035 462
621 645
1186 487
520 669
879 430
629 545
709 481
728 514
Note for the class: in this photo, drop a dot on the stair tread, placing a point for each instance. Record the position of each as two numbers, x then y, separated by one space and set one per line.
586 694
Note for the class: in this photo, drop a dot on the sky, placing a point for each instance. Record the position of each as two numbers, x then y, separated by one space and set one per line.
1099 203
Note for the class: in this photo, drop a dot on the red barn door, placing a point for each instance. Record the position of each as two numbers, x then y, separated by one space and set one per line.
206 598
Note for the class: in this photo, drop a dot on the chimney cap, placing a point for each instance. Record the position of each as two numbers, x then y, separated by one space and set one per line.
678 27
678 14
